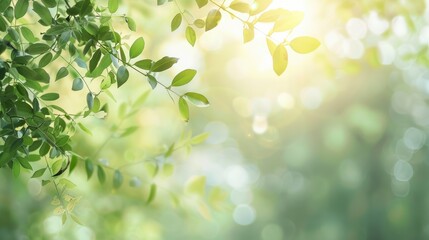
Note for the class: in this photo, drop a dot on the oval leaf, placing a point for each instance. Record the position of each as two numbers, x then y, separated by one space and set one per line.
197 99
304 44
183 77
280 59
184 109
137 47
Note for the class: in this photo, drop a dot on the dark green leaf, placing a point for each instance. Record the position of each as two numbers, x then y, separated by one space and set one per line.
43 12
152 81
89 168
145 64
122 75
37 48
77 84
163 64
94 60
28 35
62 73
45 60
4 4
183 77
117 179
50 3
21 7
89 100
101 174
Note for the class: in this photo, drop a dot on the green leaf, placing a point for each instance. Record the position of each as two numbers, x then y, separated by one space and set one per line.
45 60
89 100
101 174
304 44
201 3
175 23
129 131
117 179
43 13
62 73
184 109
44 149
94 60
37 48
83 128
261 5
191 36
271 46
38 173
131 24
183 77
240 6
50 96
28 35
77 84
50 3
213 18
288 22
145 64
160 2
113 5
4 4
197 99
196 185
89 168
280 59
16 168
163 64
248 34
152 81
199 138
137 48
272 15
21 8
122 75
199 23
152 193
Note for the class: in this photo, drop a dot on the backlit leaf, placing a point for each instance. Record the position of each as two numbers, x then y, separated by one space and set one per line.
280 59
183 77
137 47
213 18
304 44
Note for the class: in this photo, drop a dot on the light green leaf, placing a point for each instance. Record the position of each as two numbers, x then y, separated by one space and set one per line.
50 96
122 75
199 138
163 64
83 128
77 84
145 64
304 44
152 193
16 168
288 22
175 23
248 34
197 99
272 15
271 46
196 185
117 179
184 109
131 24
213 18
199 23
201 3
280 59
183 77
261 5
191 36
129 131
240 6
137 47
113 5
28 35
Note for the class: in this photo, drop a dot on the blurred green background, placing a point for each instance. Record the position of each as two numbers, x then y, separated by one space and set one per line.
334 149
